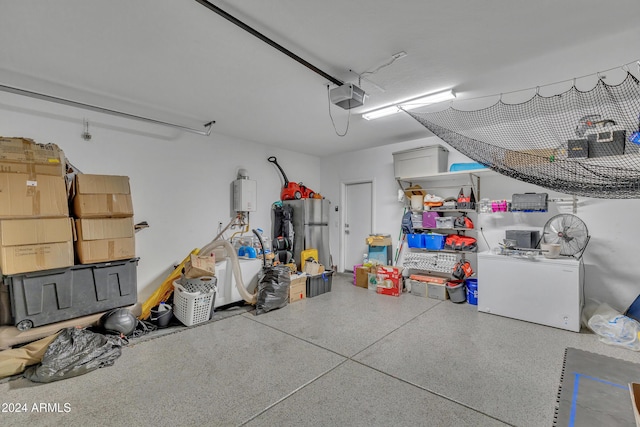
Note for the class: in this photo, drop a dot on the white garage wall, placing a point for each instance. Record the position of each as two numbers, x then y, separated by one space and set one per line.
181 186
180 181
611 272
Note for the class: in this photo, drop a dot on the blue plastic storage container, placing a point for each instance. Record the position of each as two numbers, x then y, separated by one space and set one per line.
415 240
455 167
434 241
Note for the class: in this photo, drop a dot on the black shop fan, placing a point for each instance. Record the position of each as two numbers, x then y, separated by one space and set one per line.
569 231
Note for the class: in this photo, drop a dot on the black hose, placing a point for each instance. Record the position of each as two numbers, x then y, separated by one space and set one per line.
264 255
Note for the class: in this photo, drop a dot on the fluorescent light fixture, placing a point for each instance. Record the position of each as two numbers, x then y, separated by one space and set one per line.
409 104
382 112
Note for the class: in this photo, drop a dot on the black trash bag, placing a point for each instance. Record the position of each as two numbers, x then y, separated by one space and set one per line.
273 288
75 352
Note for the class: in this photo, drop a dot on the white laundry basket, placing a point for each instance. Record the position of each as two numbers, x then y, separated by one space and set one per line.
193 300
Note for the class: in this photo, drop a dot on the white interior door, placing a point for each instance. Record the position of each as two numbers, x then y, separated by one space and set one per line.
358 222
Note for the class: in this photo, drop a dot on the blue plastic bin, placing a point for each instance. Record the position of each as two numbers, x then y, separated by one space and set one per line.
434 241
456 167
415 240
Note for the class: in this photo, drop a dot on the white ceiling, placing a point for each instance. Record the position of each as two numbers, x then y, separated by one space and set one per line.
179 62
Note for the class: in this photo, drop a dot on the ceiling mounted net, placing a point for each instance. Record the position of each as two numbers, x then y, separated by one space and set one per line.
577 142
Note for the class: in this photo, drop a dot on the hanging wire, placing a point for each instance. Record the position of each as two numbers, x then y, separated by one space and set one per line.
394 58
331 117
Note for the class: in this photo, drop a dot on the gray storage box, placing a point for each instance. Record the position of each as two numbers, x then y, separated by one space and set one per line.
524 238
319 284
49 296
444 222
418 289
530 202
422 161
437 291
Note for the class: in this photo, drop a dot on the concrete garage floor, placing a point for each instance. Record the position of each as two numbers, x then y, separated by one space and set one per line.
350 357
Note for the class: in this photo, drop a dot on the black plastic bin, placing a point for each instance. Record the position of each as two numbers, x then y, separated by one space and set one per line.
49 296
319 284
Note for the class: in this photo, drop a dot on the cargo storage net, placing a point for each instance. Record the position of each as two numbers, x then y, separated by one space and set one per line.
576 142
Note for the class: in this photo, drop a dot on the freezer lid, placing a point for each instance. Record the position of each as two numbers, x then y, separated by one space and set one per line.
537 259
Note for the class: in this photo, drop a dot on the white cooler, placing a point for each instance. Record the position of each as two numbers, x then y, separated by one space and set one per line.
227 289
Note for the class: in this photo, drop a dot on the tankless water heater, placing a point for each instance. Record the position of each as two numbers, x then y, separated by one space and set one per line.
245 192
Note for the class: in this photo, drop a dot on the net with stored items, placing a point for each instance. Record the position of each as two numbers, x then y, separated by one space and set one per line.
576 142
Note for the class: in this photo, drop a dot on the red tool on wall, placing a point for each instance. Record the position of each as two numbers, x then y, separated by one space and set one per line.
292 190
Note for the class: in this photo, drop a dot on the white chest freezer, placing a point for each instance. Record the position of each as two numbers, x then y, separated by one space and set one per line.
539 290
226 282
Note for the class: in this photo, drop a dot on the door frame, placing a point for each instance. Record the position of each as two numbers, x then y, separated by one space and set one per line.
343 214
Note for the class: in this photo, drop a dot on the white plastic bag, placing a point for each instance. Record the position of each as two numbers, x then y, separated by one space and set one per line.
614 328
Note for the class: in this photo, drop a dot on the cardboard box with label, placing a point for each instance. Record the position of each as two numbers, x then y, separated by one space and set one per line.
362 276
104 239
200 266
391 278
23 155
298 287
102 196
25 196
35 244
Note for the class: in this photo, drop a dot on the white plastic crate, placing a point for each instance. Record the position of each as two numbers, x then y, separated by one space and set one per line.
192 301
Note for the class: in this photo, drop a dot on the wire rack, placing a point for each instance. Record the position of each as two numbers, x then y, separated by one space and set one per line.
430 261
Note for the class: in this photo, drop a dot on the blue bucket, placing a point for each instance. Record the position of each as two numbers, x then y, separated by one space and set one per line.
472 291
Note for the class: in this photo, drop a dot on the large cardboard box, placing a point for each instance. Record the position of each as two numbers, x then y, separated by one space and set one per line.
378 240
534 156
23 155
22 196
35 244
362 276
389 280
104 239
298 287
102 196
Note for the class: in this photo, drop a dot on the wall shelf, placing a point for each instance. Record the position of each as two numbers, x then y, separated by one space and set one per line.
444 229
444 251
446 176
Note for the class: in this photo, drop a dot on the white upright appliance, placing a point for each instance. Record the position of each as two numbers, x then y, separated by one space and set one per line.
311 228
538 290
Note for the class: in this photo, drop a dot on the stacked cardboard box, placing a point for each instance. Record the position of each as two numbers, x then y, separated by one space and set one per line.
104 225
298 287
35 229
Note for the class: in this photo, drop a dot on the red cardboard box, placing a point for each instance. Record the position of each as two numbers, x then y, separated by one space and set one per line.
391 280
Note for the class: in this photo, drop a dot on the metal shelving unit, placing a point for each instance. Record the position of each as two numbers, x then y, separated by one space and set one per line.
445 182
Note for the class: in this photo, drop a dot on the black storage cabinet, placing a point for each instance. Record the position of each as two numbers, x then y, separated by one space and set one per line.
43 297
